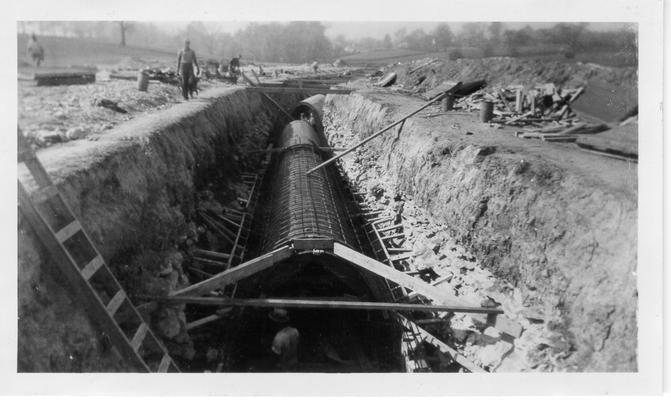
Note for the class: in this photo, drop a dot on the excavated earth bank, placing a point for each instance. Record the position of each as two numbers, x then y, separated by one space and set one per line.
547 234
555 228
134 191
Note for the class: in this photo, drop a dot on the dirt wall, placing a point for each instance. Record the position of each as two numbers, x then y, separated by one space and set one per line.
502 71
134 192
566 241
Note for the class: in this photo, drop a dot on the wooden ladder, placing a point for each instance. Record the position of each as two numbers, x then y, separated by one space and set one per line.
70 247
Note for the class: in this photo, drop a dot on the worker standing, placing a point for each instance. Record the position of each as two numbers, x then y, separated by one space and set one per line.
35 50
186 59
234 65
285 342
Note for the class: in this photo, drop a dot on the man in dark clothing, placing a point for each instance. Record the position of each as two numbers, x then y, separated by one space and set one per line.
186 59
35 50
285 342
234 65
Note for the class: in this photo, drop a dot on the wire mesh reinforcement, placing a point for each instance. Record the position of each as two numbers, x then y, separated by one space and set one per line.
301 205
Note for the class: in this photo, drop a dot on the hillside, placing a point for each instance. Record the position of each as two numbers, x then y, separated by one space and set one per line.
62 52
383 57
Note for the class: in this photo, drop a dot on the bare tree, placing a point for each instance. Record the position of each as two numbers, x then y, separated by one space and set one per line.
443 36
124 27
495 30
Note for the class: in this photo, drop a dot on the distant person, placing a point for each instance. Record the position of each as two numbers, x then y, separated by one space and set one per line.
186 59
35 50
315 66
285 342
234 65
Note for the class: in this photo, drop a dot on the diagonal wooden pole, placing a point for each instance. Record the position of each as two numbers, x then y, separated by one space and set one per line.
235 274
383 130
431 292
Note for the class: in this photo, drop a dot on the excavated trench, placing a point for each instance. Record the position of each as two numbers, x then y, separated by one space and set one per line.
145 193
553 241
140 192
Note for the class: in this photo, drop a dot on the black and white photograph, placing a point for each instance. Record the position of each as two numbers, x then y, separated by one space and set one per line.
440 198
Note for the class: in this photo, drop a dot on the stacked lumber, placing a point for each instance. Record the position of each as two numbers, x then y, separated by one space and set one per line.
519 106
65 77
564 131
544 111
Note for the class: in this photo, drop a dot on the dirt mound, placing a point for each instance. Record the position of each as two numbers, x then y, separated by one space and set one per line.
424 74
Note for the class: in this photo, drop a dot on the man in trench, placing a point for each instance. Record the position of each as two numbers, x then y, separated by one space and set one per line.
186 59
285 343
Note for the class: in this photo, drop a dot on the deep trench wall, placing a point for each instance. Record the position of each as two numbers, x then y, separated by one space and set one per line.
569 246
133 190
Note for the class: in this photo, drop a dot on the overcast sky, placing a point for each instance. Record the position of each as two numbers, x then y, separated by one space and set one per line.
377 29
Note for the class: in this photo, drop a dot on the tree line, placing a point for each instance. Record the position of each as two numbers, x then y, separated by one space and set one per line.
304 41
494 39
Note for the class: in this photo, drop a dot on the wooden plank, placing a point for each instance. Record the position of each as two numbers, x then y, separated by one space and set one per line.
203 274
419 287
139 336
607 154
323 304
202 321
557 138
210 261
114 304
92 267
441 280
313 243
397 249
67 232
430 321
165 363
44 193
398 277
235 274
388 228
400 257
215 224
306 90
230 221
210 254
429 338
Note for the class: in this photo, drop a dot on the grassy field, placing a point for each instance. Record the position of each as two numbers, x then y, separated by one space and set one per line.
62 52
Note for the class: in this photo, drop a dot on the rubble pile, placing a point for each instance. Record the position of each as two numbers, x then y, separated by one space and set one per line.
425 74
543 110
55 114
